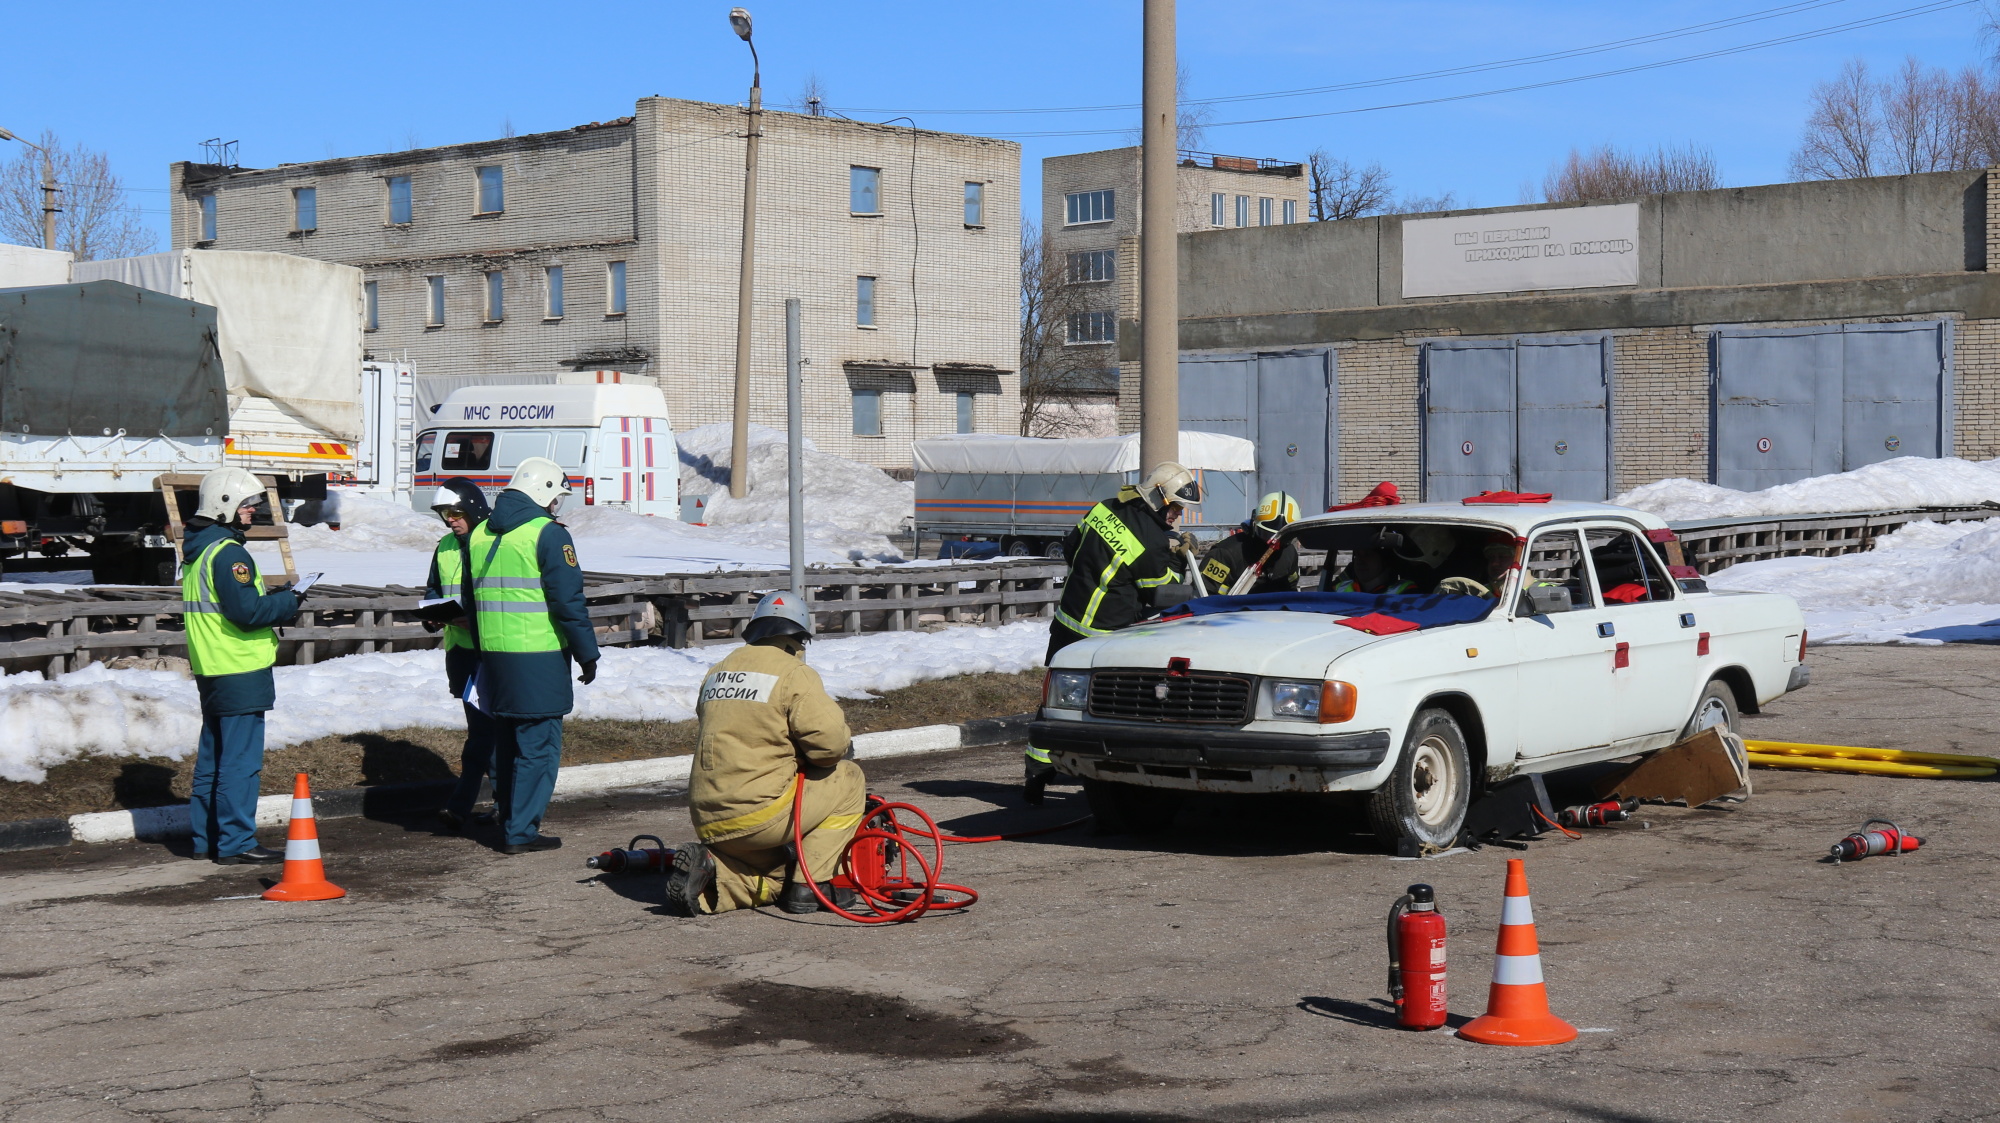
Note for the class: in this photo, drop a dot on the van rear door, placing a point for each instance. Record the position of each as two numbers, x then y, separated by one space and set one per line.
638 467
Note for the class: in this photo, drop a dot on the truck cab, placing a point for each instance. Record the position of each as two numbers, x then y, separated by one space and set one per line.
614 441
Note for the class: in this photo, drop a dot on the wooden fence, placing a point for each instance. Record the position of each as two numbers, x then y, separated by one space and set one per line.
1713 545
65 630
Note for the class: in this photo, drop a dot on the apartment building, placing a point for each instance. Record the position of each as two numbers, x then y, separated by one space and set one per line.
1090 214
615 245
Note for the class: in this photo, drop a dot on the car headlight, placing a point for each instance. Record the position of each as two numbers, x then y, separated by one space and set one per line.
1068 690
1295 699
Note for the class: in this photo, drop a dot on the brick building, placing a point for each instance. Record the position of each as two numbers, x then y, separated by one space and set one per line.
614 246
1091 216
1746 336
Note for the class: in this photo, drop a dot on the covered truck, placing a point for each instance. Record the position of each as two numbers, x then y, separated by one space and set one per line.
1027 492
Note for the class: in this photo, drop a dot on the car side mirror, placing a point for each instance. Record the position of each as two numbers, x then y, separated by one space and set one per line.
1545 599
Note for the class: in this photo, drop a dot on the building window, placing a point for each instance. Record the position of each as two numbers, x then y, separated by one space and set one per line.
614 296
1291 211
1263 212
305 209
1243 210
434 301
1089 206
399 200
864 302
1093 265
1218 210
208 218
496 297
864 190
975 204
492 192
371 305
1093 327
968 412
868 413
552 309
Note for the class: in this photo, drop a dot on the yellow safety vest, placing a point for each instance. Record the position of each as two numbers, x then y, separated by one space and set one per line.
512 612
451 583
216 646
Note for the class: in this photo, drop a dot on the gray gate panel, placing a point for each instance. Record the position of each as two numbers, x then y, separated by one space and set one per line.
1776 407
1893 376
1468 404
1294 427
1563 424
1218 395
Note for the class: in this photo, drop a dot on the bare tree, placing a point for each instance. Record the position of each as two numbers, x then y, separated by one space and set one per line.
97 220
1607 173
1843 129
1190 118
812 96
1923 119
1055 377
1427 204
1342 191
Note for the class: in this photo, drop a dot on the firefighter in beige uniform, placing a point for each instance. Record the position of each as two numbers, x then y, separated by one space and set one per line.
766 718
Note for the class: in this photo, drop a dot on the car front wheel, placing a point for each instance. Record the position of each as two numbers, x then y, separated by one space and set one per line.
1422 804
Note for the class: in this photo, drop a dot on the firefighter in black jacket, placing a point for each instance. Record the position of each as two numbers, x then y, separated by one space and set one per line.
1247 545
1119 555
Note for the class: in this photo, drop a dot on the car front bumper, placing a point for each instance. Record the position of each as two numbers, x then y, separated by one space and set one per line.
1210 759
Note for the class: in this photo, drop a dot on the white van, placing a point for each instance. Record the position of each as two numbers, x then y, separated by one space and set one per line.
615 442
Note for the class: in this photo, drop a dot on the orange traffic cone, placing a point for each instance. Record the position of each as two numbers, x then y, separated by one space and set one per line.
1517 1008
305 879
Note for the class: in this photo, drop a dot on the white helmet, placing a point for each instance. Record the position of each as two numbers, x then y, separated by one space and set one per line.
541 480
1170 483
782 613
1275 512
226 489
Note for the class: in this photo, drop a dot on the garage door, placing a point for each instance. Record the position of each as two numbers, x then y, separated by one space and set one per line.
1282 401
1527 415
1798 402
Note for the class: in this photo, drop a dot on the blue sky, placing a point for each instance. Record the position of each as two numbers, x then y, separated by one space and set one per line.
147 82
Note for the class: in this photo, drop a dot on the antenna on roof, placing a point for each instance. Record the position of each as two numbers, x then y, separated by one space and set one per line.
218 151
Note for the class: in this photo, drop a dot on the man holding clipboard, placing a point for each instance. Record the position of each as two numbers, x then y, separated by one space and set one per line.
462 506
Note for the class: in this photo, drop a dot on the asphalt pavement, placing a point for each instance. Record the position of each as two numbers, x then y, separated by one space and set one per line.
1232 970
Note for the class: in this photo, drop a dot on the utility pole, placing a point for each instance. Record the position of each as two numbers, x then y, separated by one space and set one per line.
1159 267
739 435
794 448
49 208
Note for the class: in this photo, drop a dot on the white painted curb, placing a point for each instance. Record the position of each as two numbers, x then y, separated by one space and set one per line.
667 772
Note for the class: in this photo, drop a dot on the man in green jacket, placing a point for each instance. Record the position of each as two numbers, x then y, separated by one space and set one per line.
462 506
231 648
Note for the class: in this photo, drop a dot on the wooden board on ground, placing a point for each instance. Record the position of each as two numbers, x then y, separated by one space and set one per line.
1696 770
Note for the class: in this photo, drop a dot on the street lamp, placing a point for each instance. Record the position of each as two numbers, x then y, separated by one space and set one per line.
739 437
49 209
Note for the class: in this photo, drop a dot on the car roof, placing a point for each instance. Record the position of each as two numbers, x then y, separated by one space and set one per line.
1519 517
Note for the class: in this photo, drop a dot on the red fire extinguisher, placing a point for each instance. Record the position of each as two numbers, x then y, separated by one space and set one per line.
1416 959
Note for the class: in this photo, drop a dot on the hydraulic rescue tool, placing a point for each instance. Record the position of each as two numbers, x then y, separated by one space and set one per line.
632 859
1865 843
1596 814
1416 959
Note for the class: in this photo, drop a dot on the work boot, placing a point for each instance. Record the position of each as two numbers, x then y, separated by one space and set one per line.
256 855
539 842
1038 777
688 878
797 898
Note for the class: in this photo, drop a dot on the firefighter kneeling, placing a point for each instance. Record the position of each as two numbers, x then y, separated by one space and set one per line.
766 718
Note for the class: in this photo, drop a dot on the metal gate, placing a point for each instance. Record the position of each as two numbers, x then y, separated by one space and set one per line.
1528 415
1789 403
1284 402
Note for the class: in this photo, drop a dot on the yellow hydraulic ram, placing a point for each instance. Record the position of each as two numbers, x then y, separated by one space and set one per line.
1872 762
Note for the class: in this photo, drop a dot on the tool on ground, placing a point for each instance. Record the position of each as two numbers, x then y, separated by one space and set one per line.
304 878
632 858
1871 762
1518 808
1865 843
1416 959
1596 814
876 865
1517 1008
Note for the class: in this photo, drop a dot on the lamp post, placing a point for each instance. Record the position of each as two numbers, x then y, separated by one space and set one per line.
49 208
1159 269
739 435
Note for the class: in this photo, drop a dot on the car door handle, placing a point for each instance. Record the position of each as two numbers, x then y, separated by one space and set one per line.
1687 619
1607 629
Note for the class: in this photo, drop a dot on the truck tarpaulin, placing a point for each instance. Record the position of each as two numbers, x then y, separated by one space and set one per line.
288 326
103 356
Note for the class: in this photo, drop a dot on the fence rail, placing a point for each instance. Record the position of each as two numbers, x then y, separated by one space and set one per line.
66 630
1713 545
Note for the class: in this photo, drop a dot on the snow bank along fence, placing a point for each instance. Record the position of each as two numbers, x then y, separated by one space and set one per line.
56 631
1713 545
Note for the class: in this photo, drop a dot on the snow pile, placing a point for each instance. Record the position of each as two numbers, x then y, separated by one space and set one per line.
1906 481
1926 583
371 523
850 507
106 713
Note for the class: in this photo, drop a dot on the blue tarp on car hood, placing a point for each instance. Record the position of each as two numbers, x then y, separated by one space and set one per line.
1425 610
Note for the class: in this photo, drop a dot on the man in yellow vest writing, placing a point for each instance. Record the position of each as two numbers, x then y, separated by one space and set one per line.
462 506
530 621
231 648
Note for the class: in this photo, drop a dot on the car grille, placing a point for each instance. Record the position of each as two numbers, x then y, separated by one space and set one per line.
1192 697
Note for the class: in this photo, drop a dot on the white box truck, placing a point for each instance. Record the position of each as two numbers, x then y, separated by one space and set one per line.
614 441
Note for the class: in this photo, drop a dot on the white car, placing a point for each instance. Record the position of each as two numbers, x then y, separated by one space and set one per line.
1569 641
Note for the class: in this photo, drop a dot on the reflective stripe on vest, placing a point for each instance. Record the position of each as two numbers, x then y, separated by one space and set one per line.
451 573
1125 549
512 613
216 646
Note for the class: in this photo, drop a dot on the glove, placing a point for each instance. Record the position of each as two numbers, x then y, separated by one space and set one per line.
1189 545
1038 777
589 674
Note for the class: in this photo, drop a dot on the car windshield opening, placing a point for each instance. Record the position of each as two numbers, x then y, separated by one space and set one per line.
1411 557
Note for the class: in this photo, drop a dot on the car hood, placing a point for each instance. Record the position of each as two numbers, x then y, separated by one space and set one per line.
1259 643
